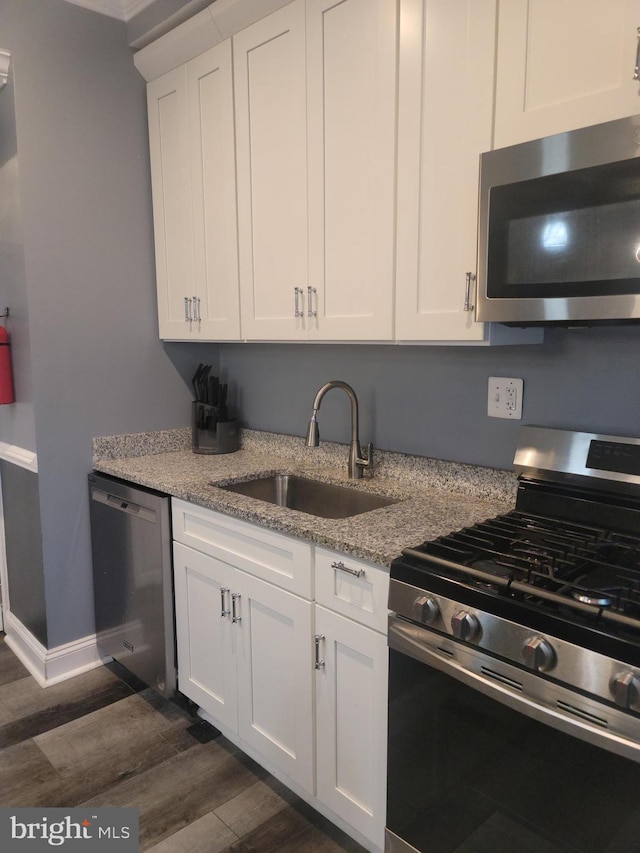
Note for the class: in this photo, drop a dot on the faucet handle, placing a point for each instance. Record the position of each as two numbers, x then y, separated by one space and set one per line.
368 462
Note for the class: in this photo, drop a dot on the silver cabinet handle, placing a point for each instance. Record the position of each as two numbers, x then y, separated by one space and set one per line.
636 73
224 611
319 664
358 573
235 616
297 293
196 309
187 309
470 281
311 293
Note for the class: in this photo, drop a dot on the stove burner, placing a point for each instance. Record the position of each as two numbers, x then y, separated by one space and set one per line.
604 585
592 598
493 567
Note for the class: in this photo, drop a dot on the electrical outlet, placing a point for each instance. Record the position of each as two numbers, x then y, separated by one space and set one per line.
505 398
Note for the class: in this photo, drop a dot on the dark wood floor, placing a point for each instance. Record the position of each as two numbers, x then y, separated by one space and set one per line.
102 739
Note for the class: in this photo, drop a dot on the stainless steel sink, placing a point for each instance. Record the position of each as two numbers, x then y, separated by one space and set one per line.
312 496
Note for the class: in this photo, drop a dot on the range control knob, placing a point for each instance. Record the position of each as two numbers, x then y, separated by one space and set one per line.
625 688
538 654
465 626
425 609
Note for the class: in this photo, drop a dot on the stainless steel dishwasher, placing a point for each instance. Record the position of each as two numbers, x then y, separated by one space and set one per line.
133 580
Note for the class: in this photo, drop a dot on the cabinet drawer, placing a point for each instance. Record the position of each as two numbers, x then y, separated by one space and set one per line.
274 557
353 588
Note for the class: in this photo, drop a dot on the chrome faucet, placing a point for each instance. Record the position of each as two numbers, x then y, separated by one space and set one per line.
356 463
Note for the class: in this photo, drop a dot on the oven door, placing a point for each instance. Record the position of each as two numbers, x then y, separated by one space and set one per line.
476 766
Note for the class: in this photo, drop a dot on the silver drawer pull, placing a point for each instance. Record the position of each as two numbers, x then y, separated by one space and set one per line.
319 664
224 611
311 293
358 573
470 282
235 616
636 73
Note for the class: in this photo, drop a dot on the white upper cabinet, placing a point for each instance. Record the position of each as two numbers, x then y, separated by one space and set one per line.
270 93
564 64
445 121
192 148
315 117
351 85
315 177
171 183
213 176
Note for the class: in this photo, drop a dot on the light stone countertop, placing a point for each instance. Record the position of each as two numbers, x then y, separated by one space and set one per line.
433 497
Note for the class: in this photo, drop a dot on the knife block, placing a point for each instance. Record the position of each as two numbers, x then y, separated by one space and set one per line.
208 433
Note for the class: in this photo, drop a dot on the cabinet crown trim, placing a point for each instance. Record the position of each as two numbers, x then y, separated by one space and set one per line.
219 21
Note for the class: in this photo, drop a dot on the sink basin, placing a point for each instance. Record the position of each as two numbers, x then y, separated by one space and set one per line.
312 496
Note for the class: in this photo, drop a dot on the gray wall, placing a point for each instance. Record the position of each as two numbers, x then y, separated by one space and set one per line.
20 507
98 366
432 401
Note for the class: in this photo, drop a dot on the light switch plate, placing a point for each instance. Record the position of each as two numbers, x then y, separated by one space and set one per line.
504 399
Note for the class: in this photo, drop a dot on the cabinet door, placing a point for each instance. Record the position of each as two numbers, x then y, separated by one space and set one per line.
275 681
172 208
351 722
563 65
270 101
205 636
445 122
213 172
351 102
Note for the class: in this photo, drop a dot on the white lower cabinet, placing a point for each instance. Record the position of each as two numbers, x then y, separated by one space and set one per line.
351 704
351 690
247 645
275 683
206 644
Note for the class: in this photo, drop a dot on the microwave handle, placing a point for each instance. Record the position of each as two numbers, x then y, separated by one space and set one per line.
470 282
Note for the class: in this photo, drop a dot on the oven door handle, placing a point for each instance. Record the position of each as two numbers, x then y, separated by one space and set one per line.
409 639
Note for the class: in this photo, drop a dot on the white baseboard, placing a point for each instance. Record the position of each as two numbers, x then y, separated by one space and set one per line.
50 666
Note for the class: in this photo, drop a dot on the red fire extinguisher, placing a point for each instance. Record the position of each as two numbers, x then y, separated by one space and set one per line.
6 378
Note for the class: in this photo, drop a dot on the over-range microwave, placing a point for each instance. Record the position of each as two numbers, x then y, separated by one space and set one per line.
559 229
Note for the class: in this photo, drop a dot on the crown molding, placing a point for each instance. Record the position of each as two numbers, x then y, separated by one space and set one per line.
123 10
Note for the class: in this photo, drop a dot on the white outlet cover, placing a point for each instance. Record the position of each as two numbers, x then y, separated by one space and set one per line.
504 398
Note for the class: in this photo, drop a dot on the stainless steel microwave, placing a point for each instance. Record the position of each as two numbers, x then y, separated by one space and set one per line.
559 229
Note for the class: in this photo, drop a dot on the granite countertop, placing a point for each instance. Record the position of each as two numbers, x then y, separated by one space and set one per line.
433 497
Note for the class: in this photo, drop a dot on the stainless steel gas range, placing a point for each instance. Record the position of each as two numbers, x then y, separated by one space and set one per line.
514 668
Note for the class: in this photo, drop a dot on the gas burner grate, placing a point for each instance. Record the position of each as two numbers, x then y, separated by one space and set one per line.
547 558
